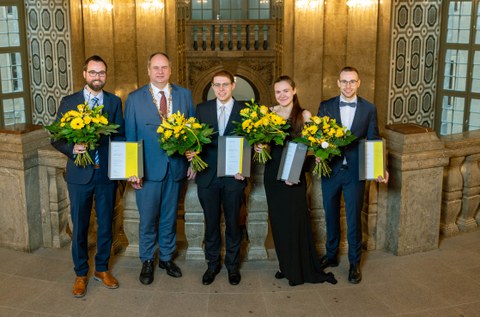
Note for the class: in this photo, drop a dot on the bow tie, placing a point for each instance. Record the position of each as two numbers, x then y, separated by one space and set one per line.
348 104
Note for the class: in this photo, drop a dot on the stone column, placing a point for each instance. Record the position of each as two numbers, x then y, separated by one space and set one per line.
416 163
257 221
20 219
194 224
452 197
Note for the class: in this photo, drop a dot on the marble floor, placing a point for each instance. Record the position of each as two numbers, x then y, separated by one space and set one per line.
443 282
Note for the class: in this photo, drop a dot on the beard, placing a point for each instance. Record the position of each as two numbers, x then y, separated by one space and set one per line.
96 85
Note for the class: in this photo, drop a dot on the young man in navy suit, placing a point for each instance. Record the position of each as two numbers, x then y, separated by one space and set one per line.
360 117
217 192
158 192
85 183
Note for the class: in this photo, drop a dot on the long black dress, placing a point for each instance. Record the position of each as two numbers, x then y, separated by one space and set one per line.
291 230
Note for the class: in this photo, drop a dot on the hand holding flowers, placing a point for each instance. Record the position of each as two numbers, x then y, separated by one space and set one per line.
178 134
325 137
261 126
83 126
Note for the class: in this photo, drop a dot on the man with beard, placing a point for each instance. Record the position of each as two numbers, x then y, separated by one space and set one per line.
85 183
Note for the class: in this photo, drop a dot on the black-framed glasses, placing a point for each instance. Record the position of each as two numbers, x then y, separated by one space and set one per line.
93 73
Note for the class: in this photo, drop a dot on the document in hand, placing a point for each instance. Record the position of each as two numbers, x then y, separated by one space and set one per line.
125 159
234 156
372 159
291 163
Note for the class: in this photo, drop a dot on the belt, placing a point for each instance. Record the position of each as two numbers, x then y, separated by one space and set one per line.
344 167
96 166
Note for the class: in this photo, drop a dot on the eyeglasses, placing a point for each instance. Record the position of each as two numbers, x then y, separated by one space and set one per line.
218 85
93 73
348 82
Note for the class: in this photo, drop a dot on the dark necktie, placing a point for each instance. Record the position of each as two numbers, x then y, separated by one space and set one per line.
95 102
163 104
348 104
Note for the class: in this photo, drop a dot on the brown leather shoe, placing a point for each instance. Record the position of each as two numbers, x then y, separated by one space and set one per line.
107 278
79 288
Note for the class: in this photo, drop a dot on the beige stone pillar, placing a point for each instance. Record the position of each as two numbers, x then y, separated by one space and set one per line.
194 224
20 218
416 163
257 221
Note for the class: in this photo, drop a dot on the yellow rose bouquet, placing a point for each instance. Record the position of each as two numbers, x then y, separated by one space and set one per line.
324 137
82 126
260 125
178 134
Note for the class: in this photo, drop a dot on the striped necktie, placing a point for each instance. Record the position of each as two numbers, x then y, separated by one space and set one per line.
97 156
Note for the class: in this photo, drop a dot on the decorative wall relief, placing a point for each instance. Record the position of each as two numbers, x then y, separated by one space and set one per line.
414 49
49 47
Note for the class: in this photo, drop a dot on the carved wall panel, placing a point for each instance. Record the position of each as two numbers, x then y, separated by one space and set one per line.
49 47
414 49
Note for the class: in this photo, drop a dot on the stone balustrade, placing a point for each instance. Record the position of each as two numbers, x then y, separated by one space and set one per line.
461 184
434 189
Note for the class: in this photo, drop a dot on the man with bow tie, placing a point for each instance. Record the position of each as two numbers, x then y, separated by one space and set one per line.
91 182
360 117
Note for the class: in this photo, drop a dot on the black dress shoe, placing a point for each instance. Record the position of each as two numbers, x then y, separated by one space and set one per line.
354 274
234 277
171 267
279 275
146 276
209 275
292 283
327 262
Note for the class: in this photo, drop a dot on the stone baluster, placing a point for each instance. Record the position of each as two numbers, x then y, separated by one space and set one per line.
194 224
257 221
54 202
471 193
131 221
451 197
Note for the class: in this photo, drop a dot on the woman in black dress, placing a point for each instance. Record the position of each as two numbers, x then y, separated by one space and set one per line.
287 202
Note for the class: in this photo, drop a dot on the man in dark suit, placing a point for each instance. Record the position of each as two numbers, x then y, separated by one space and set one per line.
217 192
360 117
158 192
84 183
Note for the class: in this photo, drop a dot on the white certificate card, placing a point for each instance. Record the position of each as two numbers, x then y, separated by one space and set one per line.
233 156
125 160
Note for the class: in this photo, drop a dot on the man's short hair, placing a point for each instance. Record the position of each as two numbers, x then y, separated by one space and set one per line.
155 54
349 69
224 73
94 58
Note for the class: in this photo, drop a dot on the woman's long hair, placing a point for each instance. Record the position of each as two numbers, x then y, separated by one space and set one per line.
296 117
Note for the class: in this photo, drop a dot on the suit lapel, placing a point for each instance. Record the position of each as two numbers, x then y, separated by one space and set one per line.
336 111
358 115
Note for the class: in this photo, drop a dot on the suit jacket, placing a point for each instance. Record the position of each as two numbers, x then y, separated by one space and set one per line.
142 121
364 126
207 113
113 108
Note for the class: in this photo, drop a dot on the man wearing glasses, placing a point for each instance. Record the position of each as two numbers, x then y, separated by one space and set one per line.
85 183
217 192
360 117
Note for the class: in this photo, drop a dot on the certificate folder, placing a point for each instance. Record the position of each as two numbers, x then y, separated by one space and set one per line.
291 163
234 156
371 159
125 159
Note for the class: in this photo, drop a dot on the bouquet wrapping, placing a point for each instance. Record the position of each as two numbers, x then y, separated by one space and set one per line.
261 125
82 126
324 137
178 134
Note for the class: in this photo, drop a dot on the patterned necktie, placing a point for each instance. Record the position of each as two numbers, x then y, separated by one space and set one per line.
348 104
221 120
163 104
96 158
95 102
